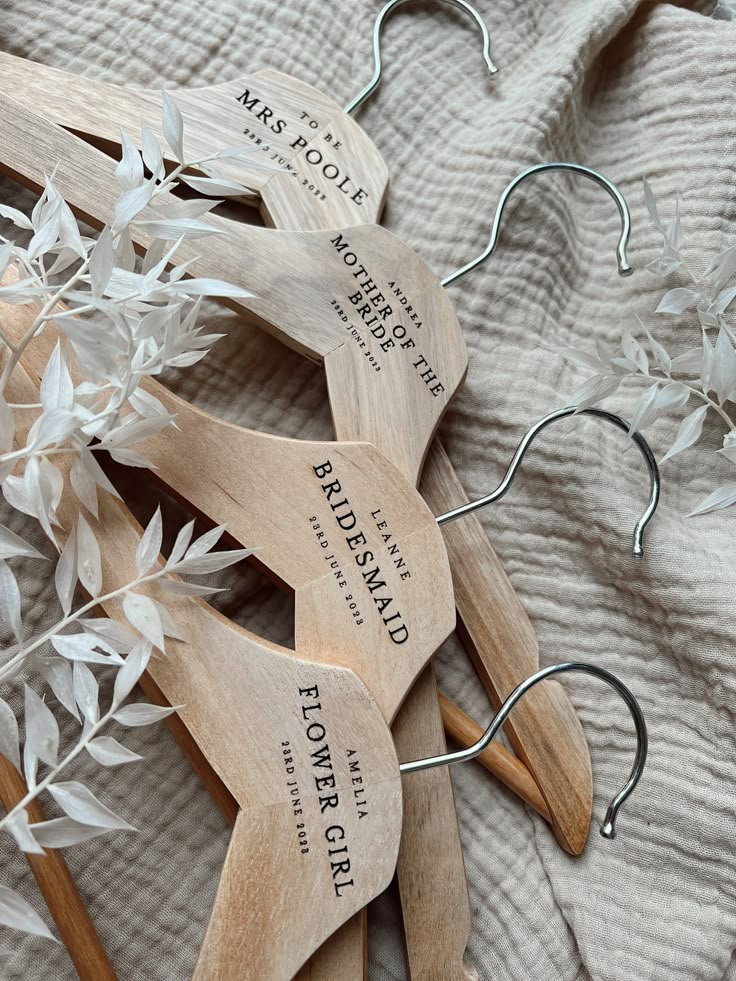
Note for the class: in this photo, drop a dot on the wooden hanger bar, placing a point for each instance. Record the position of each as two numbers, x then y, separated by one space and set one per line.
465 731
298 135
261 716
58 890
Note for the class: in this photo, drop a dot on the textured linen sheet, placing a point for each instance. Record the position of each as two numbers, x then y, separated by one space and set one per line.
634 89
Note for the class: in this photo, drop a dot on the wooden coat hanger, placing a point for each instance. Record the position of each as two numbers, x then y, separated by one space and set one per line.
298 558
277 902
300 135
242 700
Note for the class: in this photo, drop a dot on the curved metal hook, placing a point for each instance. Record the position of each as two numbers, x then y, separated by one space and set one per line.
378 69
608 828
498 493
624 269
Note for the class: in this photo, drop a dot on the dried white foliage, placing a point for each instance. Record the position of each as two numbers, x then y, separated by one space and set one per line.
704 374
81 641
121 322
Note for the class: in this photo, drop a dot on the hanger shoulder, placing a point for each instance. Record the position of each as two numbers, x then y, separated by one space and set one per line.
343 956
80 103
265 925
330 174
403 355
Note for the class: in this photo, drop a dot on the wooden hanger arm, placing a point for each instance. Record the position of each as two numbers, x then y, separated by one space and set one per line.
545 730
59 891
77 102
431 869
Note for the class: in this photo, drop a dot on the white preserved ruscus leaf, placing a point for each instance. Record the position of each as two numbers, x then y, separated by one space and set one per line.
10 601
12 545
83 647
86 692
149 546
143 714
9 739
57 388
135 664
58 674
173 126
65 576
42 731
689 432
109 752
143 614
89 560
63 832
80 803
677 300
17 914
723 497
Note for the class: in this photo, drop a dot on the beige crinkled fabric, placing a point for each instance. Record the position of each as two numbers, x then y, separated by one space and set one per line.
633 89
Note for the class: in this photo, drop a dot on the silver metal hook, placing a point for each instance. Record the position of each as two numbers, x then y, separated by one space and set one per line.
498 493
608 828
624 269
378 67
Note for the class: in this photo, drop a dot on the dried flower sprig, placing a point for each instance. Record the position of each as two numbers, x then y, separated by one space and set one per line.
120 322
120 325
101 641
705 374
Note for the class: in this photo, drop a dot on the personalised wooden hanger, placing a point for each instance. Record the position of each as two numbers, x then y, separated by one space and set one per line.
343 953
306 851
299 135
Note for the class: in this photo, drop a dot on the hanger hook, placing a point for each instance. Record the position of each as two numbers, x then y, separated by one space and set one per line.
608 828
371 87
624 269
498 493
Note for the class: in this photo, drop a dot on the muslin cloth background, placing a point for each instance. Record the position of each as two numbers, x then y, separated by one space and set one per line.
634 89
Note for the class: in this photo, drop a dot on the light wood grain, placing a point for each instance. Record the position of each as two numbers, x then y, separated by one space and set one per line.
345 393
343 956
568 797
437 923
383 618
553 747
57 887
422 724
366 404
299 136
250 706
